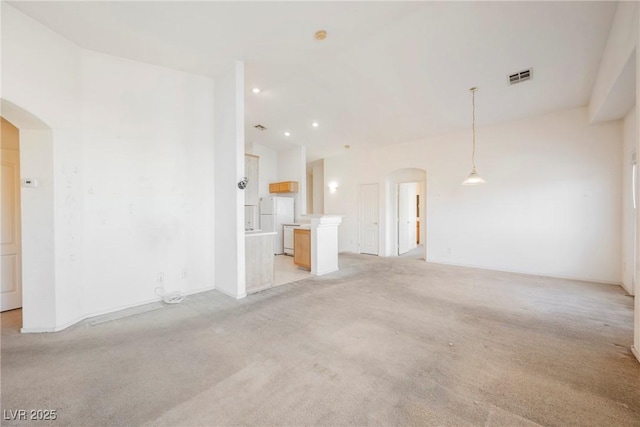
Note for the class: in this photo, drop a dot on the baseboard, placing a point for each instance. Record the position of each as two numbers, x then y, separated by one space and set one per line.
70 323
636 353
322 273
528 273
627 288
39 330
200 290
243 295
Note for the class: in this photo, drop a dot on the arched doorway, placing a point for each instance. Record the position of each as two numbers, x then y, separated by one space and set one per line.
405 208
10 240
36 218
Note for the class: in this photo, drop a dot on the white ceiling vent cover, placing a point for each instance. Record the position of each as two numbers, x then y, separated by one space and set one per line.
520 77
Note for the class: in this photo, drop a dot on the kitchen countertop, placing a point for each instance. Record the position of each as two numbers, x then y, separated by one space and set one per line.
256 233
298 224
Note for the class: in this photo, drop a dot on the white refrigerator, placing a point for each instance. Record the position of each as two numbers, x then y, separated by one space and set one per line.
274 212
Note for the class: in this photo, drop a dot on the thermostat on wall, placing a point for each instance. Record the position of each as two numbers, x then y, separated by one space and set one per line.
29 182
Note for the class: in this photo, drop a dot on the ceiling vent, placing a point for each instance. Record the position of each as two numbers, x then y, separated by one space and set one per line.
260 127
520 77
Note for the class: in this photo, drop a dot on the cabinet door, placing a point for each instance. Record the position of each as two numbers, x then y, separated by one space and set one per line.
302 248
251 163
288 187
284 187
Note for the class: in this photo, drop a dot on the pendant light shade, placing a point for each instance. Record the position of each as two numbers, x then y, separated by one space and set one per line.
473 178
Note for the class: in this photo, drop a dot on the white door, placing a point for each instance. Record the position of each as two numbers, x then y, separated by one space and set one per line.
368 219
407 218
11 263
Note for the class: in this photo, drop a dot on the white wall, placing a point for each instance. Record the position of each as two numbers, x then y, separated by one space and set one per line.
630 138
610 90
310 195
317 193
40 71
551 205
292 166
147 158
128 166
268 166
38 244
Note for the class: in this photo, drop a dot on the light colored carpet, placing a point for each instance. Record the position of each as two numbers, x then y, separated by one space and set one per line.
382 342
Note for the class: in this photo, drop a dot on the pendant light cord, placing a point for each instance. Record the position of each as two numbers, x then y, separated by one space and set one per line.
473 126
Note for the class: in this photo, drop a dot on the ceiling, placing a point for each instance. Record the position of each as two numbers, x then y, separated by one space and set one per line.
388 72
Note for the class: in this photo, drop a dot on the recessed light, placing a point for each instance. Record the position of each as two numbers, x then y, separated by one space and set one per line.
287 134
315 124
256 90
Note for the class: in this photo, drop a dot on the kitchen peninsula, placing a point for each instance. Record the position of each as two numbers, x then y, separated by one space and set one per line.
319 241
259 262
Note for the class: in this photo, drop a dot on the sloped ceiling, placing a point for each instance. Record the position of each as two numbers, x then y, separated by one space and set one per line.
388 72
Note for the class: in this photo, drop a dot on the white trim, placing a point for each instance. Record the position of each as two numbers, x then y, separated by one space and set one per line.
628 290
636 353
197 291
321 273
103 312
243 295
580 279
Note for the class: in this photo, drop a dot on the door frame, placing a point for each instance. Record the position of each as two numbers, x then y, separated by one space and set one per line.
37 220
360 225
390 208
399 207
16 226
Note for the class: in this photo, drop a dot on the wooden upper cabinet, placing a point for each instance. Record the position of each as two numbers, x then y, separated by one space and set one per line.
283 187
251 164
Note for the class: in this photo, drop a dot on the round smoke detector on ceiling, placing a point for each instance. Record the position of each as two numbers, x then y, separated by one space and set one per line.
320 35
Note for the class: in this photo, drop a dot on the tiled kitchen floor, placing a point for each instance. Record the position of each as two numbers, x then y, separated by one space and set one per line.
286 271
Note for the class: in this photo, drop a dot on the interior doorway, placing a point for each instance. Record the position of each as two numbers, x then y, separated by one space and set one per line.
10 229
36 219
368 228
634 198
405 212
408 195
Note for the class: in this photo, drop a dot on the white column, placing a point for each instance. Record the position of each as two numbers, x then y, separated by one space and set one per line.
324 243
228 171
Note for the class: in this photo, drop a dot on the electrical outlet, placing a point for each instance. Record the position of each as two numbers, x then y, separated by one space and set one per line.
449 251
160 277
184 273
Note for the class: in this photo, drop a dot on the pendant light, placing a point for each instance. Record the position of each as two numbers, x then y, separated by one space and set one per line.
473 178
